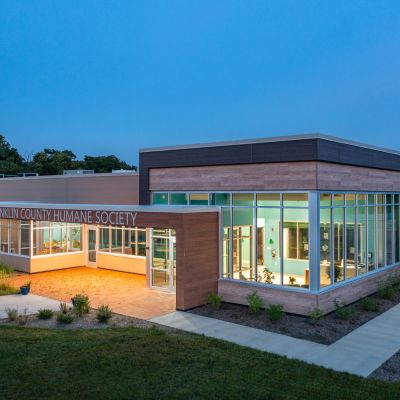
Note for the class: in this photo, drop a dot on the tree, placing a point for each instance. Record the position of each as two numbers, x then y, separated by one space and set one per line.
105 163
53 162
10 159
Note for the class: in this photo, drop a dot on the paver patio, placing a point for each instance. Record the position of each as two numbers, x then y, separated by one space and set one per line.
125 293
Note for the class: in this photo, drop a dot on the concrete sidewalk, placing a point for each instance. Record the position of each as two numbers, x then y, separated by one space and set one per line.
30 304
359 353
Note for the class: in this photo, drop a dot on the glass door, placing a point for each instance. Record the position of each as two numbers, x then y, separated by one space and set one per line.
163 259
92 246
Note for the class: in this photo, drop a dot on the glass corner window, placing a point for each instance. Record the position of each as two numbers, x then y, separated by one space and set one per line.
159 198
178 199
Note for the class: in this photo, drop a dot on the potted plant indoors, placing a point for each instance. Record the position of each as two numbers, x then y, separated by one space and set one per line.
25 288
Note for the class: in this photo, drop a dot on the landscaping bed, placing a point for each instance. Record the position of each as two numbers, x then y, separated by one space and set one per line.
326 331
389 370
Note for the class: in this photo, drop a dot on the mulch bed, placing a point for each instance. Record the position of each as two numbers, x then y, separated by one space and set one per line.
87 321
327 331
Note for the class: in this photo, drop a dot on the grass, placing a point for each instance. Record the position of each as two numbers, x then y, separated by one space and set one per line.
6 289
132 363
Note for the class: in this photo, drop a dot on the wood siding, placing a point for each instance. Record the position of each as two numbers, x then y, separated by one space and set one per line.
275 176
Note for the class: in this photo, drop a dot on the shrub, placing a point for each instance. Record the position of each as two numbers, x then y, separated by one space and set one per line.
316 315
214 300
255 302
5 270
104 313
45 313
81 304
23 318
12 314
6 289
63 308
65 318
275 312
342 311
369 304
386 291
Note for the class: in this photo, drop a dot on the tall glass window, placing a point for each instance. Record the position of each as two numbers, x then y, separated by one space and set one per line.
362 237
371 238
325 247
226 243
381 233
338 245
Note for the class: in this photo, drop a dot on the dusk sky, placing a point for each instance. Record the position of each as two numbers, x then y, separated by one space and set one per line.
110 77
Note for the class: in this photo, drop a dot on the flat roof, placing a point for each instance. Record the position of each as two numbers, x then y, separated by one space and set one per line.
71 176
272 139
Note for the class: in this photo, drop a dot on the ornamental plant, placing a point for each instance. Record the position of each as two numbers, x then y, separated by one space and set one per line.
81 304
275 312
369 304
316 315
342 311
214 300
255 302
45 313
104 313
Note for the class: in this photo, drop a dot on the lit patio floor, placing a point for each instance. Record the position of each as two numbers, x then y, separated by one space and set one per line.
125 293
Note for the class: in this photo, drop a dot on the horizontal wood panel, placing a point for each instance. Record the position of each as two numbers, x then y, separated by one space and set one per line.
272 176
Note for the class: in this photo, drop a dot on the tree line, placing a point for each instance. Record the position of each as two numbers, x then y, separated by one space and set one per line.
54 162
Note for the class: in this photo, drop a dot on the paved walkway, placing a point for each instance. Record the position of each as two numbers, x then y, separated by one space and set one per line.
30 304
360 352
125 293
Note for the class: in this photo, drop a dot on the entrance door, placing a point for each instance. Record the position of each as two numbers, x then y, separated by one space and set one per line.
92 247
163 259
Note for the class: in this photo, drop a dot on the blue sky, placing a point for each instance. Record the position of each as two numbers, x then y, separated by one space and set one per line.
110 77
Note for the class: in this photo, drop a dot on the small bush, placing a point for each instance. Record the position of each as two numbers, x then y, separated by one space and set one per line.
45 313
369 304
63 308
386 291
64 318
255 302
342 311
6 289
275 312
104 313
23 318
214 300
5 270
12 314
316 315
82 304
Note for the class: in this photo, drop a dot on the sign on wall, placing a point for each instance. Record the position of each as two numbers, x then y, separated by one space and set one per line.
99 217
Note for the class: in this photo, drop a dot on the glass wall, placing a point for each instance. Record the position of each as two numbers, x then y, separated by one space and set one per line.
15 237
127 241
370 239
55 238
265 236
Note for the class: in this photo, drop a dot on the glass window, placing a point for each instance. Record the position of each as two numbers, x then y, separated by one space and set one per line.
325 200
295 199
25 238
243 263
220 199
389 235
361 200
159 198
104 244
243 199
350 242
362 239
381 234
295 247
14 236
141 242
42 245
326 247
74 237
371 238
350 199
178 199
226 245
371 200
116 240
338 200
389 199
397 232
338 216
269 199
268 245
130 242
198 199
59 238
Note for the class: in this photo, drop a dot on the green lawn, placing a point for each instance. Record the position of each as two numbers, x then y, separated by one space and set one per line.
132 363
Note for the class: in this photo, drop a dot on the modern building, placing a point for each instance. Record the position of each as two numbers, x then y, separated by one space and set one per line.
302 220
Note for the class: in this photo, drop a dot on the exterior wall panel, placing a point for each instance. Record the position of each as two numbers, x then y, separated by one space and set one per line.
120 263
